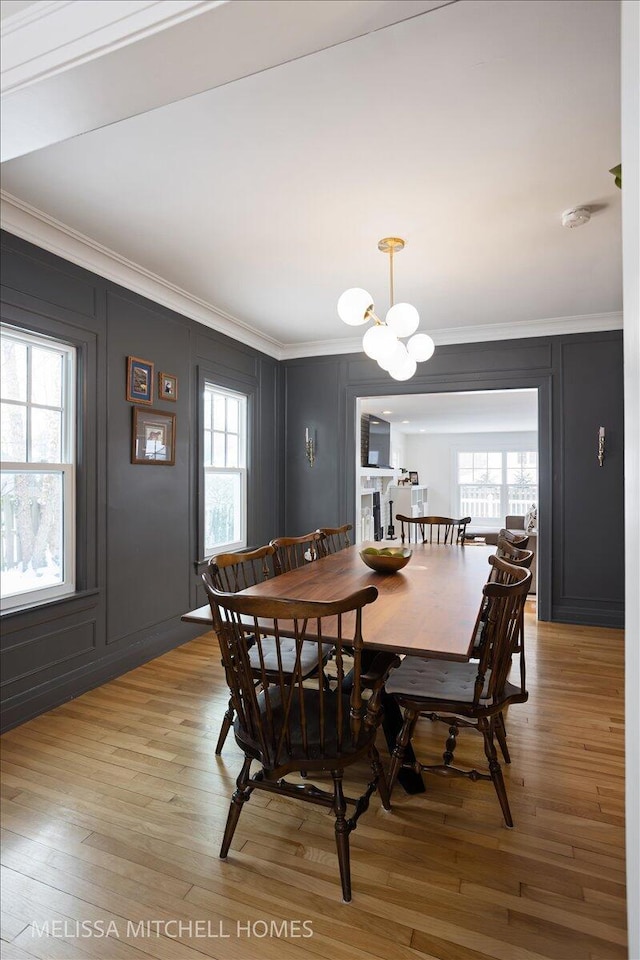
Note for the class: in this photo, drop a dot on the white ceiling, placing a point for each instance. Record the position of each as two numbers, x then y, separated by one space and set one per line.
467 130
481 411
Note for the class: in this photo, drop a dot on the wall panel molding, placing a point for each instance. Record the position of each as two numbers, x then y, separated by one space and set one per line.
28 657
538 363
136 556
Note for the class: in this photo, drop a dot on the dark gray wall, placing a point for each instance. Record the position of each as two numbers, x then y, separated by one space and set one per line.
137 525
579 383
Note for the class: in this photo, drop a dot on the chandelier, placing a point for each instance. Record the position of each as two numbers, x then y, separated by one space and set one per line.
384 341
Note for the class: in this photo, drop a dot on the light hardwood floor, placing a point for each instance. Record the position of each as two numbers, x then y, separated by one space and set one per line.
114 806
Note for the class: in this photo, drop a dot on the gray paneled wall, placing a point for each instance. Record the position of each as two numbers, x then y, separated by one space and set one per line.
138 525
579 382
138 538
589 541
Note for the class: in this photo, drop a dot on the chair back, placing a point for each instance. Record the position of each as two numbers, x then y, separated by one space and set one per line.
501 610
279 720
231 572
336 538
516 539
515 555
433 529
294 552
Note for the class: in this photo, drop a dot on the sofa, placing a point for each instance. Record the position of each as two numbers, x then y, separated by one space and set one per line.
515 525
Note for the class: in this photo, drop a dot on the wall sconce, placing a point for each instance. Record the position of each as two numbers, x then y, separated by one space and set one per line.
601 446
309 446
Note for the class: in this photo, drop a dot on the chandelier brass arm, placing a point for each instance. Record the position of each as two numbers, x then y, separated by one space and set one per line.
383 341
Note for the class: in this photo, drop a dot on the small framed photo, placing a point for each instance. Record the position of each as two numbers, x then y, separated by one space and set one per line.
167 387
153 437
413 478
139 380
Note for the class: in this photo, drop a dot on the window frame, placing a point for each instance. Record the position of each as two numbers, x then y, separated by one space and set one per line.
210 384
67 468
503 451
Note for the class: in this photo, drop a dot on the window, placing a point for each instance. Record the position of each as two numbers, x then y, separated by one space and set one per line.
37 443
493 485
225 470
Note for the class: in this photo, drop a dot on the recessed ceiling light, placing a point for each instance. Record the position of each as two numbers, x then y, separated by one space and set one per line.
406 421
387 411
422 431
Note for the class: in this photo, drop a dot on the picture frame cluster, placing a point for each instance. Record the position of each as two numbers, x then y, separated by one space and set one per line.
153 432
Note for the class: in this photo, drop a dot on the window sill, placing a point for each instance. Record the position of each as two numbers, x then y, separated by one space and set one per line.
44 604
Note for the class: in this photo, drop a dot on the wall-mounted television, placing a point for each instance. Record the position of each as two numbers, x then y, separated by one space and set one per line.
375 441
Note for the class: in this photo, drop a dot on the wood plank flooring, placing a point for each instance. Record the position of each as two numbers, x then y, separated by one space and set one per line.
114 806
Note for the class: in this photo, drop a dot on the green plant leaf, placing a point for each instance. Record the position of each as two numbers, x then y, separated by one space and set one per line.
617 173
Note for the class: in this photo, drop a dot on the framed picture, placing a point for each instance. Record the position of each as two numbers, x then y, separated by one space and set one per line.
139 380
153 437
167 387
413 478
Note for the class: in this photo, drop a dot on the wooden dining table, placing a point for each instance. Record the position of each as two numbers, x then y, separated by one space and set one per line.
427 609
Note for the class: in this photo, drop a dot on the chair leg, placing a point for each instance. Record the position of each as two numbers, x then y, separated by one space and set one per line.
402 742
342 835
450 745
227 723
239 798
379 774
501 737
486 727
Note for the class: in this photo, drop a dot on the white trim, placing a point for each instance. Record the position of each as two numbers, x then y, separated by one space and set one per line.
25 221
67 586
35 11
630 116
66 468
482 333
39 228
49 38
504 447
240 471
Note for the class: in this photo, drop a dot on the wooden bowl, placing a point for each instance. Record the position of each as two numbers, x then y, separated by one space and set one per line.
388 562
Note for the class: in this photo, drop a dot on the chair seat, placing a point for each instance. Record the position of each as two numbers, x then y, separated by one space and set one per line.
417 679
308 658
317 747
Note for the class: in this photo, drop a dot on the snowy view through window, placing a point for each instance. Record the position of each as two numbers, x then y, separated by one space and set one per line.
224 470
36 483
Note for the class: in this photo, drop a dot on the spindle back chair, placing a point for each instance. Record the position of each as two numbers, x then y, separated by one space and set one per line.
288 726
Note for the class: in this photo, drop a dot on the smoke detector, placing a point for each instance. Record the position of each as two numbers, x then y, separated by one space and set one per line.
576 216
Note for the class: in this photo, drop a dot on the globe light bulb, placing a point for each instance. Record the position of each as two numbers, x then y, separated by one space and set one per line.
394 357
421 347
353 306
403 319
404 370
378 341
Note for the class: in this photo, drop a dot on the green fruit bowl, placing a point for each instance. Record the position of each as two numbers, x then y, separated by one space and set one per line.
387 559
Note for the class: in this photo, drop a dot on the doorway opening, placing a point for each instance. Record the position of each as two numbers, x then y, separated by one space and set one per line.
463 453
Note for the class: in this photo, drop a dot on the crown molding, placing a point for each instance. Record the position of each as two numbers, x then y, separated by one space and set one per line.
481 333
56 35
39 228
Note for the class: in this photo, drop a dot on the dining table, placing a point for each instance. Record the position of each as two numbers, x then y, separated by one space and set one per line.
427 609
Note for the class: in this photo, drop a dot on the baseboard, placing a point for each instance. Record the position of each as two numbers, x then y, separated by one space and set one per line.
588 616
32 703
